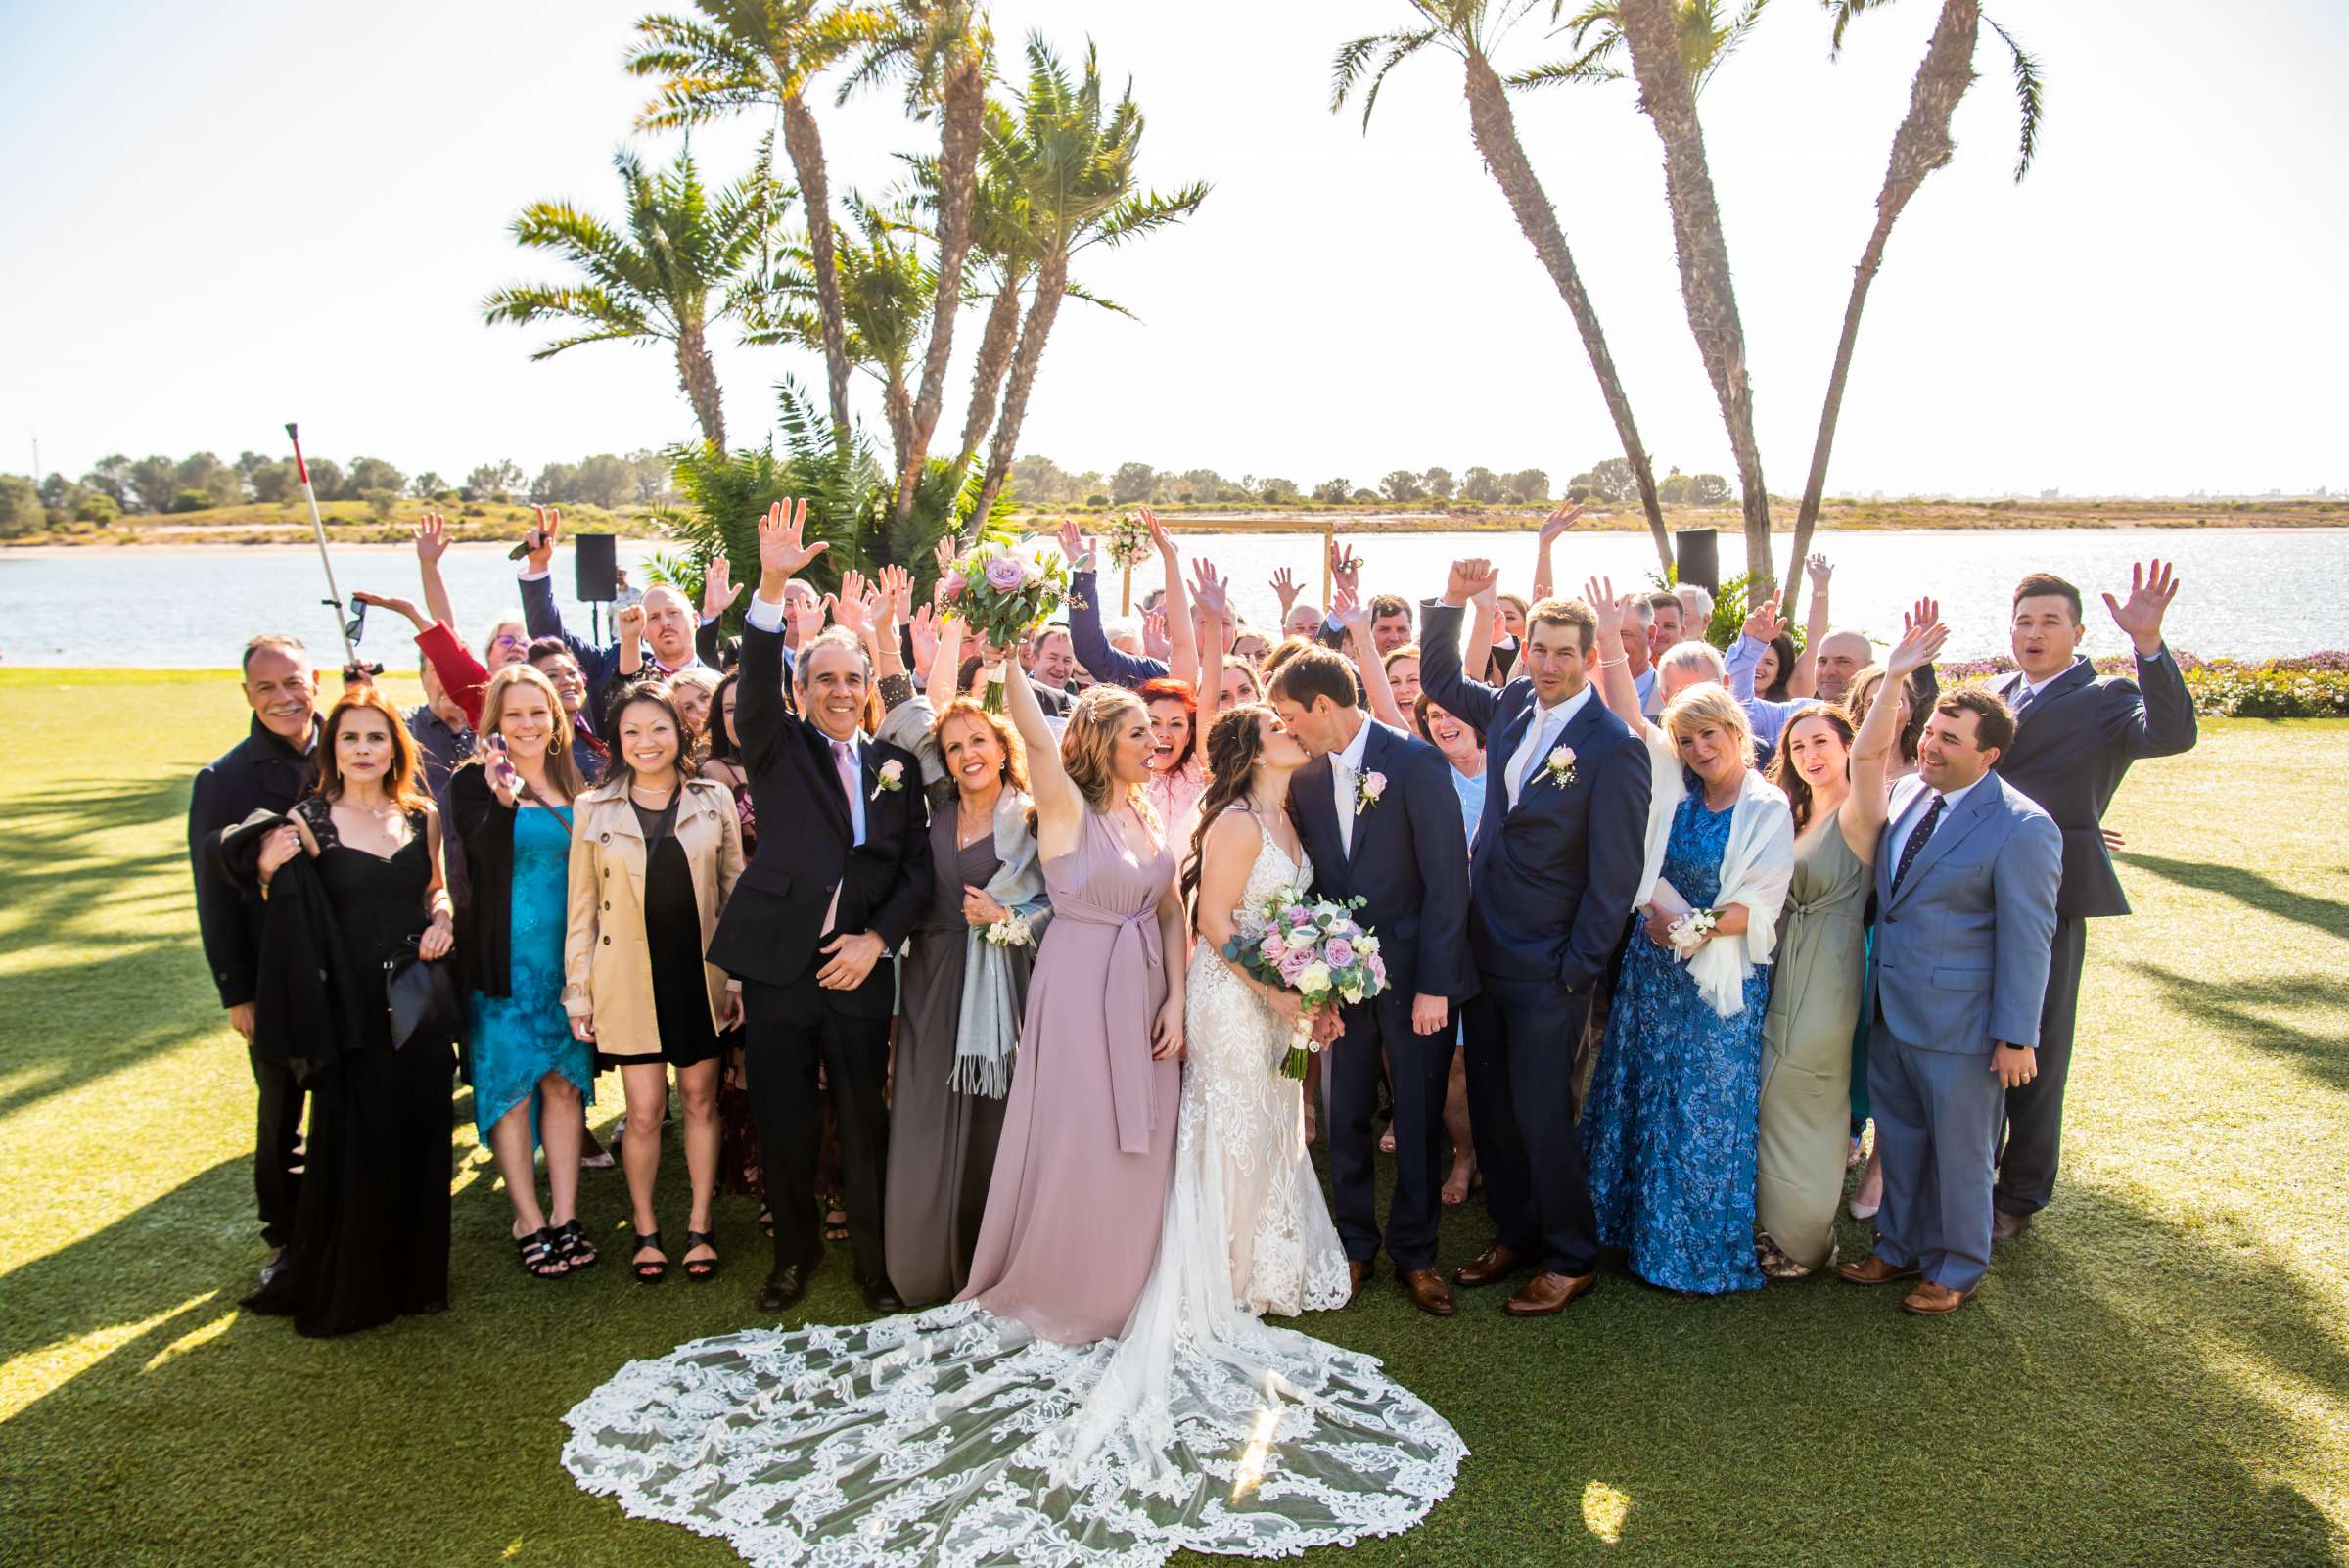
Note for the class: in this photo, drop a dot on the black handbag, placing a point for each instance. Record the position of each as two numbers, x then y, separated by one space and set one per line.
418 994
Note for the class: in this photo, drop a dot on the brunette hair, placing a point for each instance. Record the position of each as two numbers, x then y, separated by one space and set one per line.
1233 743
1784 646
1088 740
1015 755
562 768
1419 712
1314 672
403 786
644 691
724 748
2048 585
1994 721
1386 605
1789 778
1167 689
1857 701
1567 613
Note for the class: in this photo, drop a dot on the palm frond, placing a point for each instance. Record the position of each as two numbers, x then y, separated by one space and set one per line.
1146 211
1078 291
1843 11
2029 90
1584 69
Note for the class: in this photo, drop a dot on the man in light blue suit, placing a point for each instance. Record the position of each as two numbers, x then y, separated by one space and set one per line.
1965 896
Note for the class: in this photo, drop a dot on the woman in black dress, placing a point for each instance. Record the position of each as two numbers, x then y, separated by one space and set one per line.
353 880
654 858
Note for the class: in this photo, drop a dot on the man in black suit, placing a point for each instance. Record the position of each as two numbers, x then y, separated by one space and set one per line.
1557 863
265 771
842 869
2077 733
1378 815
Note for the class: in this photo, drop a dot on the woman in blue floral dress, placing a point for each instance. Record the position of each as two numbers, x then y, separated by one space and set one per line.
1669 1131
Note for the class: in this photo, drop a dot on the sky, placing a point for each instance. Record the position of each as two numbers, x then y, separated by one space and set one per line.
225 217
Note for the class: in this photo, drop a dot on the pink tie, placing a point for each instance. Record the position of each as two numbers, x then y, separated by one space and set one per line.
846 767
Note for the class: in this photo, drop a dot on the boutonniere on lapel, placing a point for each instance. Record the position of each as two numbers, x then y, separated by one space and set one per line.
1558 767
1367 791
892 779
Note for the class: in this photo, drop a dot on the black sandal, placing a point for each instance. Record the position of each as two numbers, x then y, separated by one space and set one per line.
540 1257
652 1272
570 1242
702 1269
835 1229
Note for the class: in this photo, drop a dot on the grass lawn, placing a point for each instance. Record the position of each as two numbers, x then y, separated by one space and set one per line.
2157 1373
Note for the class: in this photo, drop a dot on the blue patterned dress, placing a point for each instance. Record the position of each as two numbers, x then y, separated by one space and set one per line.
520 1037
1670 1128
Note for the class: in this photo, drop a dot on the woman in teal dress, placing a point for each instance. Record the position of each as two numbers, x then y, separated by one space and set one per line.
1669 1132
532 1080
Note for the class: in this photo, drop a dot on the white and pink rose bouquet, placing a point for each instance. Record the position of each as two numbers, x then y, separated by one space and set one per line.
1002 594
1314 948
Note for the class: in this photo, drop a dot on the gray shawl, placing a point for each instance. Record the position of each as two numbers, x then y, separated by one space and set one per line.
988 1033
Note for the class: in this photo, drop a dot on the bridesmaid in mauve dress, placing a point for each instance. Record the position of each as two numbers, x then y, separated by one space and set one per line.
1087 1151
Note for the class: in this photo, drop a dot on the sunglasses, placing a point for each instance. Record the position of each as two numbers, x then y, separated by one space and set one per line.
355 627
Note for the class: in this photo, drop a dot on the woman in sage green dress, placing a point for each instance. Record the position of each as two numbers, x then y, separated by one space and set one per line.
1834 781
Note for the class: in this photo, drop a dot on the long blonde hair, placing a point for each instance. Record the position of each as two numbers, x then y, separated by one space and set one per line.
562 768
1089 741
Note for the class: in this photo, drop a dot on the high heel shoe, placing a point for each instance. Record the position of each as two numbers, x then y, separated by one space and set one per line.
702 1269
648 1271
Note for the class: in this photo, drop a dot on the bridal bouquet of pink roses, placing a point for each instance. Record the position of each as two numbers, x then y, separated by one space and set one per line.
1312 946
1002 594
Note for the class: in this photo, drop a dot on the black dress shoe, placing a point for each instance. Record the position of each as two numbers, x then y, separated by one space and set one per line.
883 1300
784 1286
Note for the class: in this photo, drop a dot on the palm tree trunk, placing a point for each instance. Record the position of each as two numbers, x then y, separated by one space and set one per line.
994 359
964 107
699 380
806 145
1495 129
1921 146
1651 30
1051 283
896 404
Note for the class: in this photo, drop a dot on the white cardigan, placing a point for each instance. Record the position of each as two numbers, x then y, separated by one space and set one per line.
1756 870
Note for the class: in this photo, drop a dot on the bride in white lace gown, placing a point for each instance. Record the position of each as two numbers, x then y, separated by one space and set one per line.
957 1436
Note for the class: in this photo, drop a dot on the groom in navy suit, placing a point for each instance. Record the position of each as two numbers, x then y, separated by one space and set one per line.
1378 814
1555 871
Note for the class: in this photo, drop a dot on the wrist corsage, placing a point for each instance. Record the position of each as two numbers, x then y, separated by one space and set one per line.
1011 931
1691 931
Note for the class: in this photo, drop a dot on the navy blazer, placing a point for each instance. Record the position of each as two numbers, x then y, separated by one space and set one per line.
775 916
1962 949
1409 859
2073 747
1551 884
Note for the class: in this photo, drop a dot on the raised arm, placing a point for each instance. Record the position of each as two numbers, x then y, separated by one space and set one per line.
1059 805
1863 819
1614 677
629 623
2162 723
1481 611
1745 656
1441 674
1803 680
760 715
463 676
1346 613
1557 523
1215 612
432 543
1086 636
1182 638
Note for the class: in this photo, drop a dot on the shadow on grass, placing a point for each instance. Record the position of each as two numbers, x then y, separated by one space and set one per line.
2241 1010
2260 892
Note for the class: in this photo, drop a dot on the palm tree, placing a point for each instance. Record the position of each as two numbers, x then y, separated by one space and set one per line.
1653 33
655 280
751 52
944 52
1921 145
1079 191
1708 36
1472 29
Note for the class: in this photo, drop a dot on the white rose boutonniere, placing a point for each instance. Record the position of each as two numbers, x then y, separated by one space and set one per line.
1367 790
1012 930
1558 767
892 779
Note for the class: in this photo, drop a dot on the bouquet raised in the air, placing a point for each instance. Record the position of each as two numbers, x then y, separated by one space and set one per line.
1127 542
1312 946
1002 594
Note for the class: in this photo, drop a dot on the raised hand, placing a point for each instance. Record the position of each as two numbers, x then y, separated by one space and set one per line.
540 541
1154 634
398 606
1600 593
1345 612
432 538
629 623
922 625
719 590
1764 623
1917 647
2151 587
1345 568
1212 593
1468 579
945 555
1558 521
848 606
896 588
1075 547
1286 586
804 615
1158 532
1819 570
782 546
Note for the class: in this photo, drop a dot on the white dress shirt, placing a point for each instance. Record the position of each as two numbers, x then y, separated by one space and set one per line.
1547 724
1344 773
767 615
1915 814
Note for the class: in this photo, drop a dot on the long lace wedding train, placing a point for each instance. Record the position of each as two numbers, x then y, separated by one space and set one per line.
956 1437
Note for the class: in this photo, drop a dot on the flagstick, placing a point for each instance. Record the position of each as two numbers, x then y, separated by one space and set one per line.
350 654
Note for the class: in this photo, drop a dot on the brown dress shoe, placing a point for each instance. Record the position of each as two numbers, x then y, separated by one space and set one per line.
1492 1266
1546 1293
1357 1270
1929 1300
1873 1270
1427 1291
2005 1226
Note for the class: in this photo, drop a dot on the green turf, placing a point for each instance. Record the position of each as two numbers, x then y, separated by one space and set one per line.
2158 1373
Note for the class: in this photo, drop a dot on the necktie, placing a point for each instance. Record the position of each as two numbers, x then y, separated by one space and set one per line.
1916 839
1347 797
2022 704
1534 754
844 764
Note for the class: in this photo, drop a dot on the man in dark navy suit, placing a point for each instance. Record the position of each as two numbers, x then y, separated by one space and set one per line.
2076 734
1378 814
812 927
1558 857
